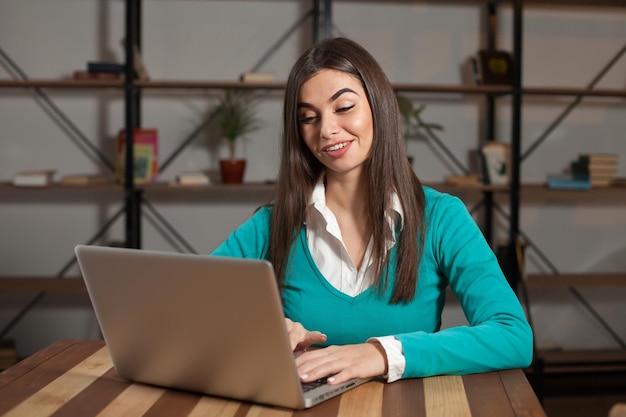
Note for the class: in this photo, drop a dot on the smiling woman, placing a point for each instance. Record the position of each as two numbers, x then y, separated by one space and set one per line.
336 121
362 251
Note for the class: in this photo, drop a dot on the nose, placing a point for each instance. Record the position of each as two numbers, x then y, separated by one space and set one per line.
329 127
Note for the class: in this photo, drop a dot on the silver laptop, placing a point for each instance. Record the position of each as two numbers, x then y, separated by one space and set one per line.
212 325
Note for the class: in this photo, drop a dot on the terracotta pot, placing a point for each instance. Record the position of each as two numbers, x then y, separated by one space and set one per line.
232 170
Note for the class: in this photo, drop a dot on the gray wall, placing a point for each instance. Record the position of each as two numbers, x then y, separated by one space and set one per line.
419 42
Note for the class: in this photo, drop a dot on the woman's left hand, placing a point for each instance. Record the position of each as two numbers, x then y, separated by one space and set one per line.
342 362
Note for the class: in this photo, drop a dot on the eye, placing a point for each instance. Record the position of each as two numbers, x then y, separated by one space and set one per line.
344 108
307 119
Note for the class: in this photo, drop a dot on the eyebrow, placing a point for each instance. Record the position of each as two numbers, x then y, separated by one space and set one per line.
333 97
340 92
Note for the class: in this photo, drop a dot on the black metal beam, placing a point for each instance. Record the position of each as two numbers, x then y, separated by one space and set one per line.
131 122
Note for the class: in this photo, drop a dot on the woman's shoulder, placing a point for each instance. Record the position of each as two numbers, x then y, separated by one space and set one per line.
437 200
264 210
435 196
262 214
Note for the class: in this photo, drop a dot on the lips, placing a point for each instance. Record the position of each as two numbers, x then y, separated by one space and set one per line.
335 147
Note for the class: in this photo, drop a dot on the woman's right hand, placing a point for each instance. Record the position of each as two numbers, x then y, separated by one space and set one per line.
302 338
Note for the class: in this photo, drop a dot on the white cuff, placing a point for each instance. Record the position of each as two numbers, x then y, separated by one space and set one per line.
396 363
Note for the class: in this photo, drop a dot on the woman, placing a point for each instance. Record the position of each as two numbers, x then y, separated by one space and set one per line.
363 253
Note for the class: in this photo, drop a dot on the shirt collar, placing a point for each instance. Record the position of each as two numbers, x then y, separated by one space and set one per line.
393 215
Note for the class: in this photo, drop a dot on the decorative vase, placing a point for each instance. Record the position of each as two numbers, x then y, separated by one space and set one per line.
232 170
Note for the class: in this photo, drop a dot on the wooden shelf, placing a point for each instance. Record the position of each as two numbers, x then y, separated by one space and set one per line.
39 284
219 187
591 3
608 3
7 186
568 91
280 85
244 187
65 84
529 192
452 89
582 280
598 196
452 189
208 84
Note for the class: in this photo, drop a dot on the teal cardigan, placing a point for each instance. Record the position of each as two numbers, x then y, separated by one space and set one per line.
455 254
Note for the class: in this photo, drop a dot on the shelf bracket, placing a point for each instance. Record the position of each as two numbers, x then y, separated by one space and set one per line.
573 104
60 115
18 317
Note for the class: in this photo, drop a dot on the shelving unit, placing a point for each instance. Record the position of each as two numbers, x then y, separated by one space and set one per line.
514 196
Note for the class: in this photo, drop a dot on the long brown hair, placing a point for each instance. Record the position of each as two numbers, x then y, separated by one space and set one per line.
387 169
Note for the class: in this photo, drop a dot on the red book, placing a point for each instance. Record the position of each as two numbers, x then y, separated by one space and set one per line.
145 153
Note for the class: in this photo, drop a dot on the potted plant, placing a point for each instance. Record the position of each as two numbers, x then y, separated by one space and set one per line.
234 117
411 119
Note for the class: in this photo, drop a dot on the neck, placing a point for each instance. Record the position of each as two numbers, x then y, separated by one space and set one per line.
347 193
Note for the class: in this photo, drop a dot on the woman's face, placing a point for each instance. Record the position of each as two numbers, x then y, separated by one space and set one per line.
335 121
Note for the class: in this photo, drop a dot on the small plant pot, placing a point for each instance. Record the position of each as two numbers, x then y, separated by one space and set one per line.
232 170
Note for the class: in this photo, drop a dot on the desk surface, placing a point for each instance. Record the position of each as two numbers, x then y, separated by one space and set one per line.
75 379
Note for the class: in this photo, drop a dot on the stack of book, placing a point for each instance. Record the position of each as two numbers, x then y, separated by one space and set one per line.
193 178
589 170
599 169
34 178
100 71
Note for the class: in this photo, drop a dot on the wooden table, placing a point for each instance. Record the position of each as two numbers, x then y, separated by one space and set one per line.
74 378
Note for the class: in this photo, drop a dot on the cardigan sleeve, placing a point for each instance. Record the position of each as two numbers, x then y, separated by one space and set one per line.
498 335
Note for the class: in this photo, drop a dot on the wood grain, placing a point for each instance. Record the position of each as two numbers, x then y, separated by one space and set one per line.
445 397
55 394
77 379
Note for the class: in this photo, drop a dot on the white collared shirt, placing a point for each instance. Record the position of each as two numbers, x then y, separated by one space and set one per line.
332 259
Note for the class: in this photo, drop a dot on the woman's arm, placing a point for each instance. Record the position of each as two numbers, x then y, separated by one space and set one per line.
498 335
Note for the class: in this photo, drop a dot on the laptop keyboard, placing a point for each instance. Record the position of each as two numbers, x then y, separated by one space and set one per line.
308 386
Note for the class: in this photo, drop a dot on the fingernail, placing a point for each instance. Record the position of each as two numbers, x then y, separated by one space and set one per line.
330 379
305 376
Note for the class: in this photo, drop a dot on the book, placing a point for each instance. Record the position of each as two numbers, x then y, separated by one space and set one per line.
599 169
580 168
594 167
95 66
598 158
193 178
471 74
495 67
145 153
85 179
601 182
567 182
34 178
88 75
257 77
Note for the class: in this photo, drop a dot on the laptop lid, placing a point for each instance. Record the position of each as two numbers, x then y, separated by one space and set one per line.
208 324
